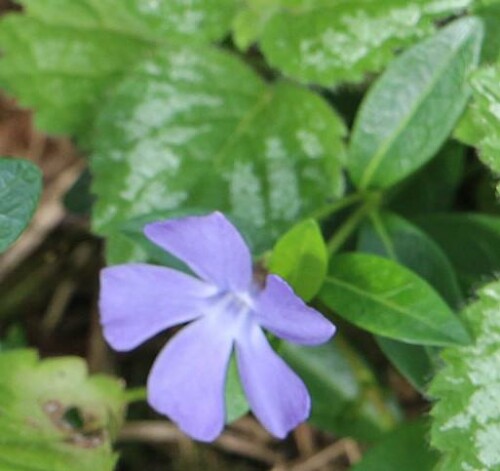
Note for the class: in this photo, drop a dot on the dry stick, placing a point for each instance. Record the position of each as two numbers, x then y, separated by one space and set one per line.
161 432
304 439
327 455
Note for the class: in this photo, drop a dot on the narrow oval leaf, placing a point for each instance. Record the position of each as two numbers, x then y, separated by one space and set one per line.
58 418
346 398
20 190
387 299
413 107
195 129
466 416
404 449
393 237
301 258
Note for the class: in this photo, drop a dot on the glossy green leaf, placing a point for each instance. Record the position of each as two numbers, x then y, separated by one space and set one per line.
301 258
393 237
63 55
434 187
471 242
53 417
404 449
20 190
330 41
466 416
387 299
412 108
346 398
212 135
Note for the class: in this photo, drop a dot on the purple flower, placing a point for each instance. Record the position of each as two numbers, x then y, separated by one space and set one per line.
229 309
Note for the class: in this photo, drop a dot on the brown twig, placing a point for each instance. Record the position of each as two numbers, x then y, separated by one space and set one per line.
164 432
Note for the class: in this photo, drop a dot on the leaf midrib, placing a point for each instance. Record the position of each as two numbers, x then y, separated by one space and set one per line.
377 159
385 303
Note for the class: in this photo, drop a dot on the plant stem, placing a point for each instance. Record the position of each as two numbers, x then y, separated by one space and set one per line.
342 203
136 394
348 227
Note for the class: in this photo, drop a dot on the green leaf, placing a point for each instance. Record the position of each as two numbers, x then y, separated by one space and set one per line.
53 417
236 401
489 12
434 187
62 56
480 126
211 135
404 449
471 242
413 107
346 398
20 190
416 363
301 258
330 41
466 416
387 299
393 237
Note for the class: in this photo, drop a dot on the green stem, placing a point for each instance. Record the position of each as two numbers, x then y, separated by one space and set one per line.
348 227
136 394
342 203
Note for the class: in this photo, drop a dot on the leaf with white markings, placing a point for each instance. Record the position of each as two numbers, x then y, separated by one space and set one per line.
330 41
196 129
466 427
480 127
61 56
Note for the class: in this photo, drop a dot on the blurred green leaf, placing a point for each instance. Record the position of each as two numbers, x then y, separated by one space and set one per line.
413 107
331 41
78 199
404 449
62 56
471 242
37 401
301 258
434 187
211 135
466 416
236 402
20 190
387 299
346 398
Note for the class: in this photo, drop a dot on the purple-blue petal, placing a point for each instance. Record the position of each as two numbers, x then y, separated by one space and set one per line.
279 310
277 396
210 245
137 301
187 380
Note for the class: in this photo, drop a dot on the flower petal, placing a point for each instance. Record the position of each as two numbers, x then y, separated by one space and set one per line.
187 380
137 301
277 396
210 245
279 310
